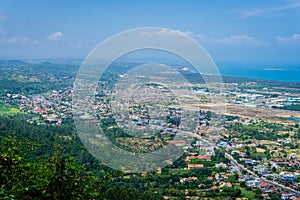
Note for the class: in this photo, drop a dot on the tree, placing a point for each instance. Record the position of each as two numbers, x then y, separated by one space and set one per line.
56 179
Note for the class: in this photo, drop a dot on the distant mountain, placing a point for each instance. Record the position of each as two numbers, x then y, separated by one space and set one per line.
63 69
13 63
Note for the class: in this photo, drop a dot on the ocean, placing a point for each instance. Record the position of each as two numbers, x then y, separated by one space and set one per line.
286 74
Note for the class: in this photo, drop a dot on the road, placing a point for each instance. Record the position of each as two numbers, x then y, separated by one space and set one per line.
246 169
262 178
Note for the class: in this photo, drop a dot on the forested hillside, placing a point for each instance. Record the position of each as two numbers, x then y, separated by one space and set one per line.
49 162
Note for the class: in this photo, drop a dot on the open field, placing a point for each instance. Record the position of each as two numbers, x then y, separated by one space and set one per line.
247 193
8 111
270 114
260 150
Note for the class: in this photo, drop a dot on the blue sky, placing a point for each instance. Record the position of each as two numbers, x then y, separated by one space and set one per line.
233 31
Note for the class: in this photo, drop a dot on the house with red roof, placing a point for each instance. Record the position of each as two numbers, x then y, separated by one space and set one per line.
264 185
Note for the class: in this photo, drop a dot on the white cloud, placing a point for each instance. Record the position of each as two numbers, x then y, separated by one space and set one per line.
231 40
200 36
12 39
56 36
167 32
239 39
262 11
19 40
295 38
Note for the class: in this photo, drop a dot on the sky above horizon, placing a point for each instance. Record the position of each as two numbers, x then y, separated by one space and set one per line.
233 31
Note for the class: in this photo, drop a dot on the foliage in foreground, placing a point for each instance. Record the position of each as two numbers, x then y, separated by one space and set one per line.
53 179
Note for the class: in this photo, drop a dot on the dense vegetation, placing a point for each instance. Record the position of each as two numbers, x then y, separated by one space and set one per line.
38 162
295 107
258 131
49 162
